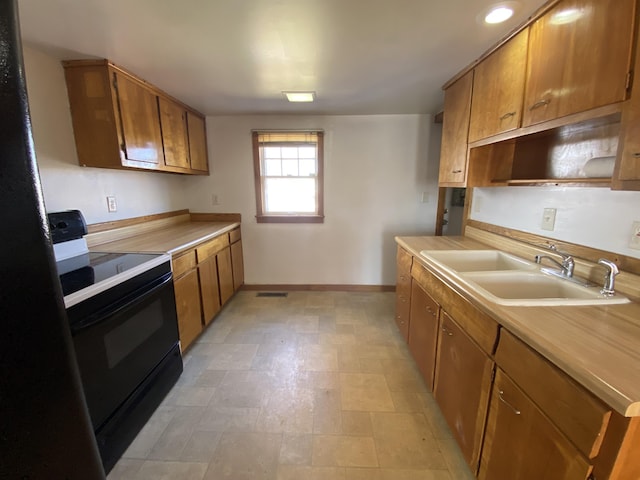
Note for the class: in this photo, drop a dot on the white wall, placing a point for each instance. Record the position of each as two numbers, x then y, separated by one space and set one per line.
66 185
595 217
376 168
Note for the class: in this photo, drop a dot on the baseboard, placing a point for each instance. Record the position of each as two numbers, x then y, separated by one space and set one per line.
321 288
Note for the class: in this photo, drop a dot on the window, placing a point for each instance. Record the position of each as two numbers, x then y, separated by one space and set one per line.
289 176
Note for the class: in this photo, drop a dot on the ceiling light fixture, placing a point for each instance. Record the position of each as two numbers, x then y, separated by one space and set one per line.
498 14
300 96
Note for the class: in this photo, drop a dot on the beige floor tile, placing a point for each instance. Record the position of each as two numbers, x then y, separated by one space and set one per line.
125 469
200 447
318 358
245 456
344 451
404 440
296 449
327 412
288 410
365 392
158 470
396 474
454 459
318 385
174 438
232 357
290 472
356 423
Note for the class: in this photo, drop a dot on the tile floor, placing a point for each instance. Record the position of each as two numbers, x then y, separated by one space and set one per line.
317 385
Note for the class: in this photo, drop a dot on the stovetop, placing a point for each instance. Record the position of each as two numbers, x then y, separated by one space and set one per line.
85 275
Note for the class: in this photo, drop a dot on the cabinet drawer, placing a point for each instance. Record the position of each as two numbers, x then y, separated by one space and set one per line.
183 263
479 326
234 235
403 265
575 411
212 247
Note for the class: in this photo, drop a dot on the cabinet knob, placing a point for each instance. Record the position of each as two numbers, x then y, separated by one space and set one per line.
507 115
456 171
539 104
402 277
501 396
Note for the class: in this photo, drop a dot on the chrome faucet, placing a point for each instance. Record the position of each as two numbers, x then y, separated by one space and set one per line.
610 277
566 266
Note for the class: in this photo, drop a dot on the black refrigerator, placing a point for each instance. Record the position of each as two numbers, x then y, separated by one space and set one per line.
45 431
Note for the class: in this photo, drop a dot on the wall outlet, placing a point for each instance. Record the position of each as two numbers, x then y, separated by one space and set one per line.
112 206
214 199
635 236
425 197
548 219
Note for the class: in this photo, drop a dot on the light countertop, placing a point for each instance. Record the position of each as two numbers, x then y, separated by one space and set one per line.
172 239
598 346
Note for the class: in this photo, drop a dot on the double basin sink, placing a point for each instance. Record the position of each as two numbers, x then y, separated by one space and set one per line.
505 279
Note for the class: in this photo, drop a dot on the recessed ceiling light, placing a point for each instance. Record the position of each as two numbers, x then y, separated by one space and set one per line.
498 14
300 96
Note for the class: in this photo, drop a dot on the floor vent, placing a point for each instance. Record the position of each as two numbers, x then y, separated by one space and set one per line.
272 294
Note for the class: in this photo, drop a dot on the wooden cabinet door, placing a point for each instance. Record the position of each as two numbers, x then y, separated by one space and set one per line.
237 265
498 89
139 121
403 291
209 288
455 131
579 58
197 142
626 175
462 386
225 274
173 119
521 443
423 332
188 307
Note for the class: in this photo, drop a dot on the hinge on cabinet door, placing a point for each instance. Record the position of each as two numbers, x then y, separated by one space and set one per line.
115 81
123 147
493 374
629 80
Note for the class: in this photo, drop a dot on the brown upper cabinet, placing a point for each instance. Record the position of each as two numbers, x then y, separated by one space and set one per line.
498 87
455 130
120 121
579 58
554 103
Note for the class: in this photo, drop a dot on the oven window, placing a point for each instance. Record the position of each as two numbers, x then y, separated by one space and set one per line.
124 339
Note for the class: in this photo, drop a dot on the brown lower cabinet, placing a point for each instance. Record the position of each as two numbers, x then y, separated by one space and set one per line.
533 421
403 292
237 263
520 441
462 387
423 332
188 307
203 284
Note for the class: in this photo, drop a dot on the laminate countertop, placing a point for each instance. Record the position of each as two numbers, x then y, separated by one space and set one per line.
172 239
598 346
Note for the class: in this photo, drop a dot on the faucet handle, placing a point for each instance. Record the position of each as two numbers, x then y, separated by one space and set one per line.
609 278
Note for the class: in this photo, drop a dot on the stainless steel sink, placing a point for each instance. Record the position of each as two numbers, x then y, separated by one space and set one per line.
477 260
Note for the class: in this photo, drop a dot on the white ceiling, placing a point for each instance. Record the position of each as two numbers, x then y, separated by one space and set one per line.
237 56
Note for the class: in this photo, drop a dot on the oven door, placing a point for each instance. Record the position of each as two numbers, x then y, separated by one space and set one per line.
120 336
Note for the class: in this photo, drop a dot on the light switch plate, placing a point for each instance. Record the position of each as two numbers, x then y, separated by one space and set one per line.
548 219
635 236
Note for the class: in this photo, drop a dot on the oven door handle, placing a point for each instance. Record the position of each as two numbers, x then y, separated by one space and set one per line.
126 302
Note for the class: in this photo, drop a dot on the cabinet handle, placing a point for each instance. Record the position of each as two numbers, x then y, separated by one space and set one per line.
402 277
430 310
636 155
507 115
515 410
444 329
456 171
539 104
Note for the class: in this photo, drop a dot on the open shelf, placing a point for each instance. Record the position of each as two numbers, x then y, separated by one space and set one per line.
585 182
